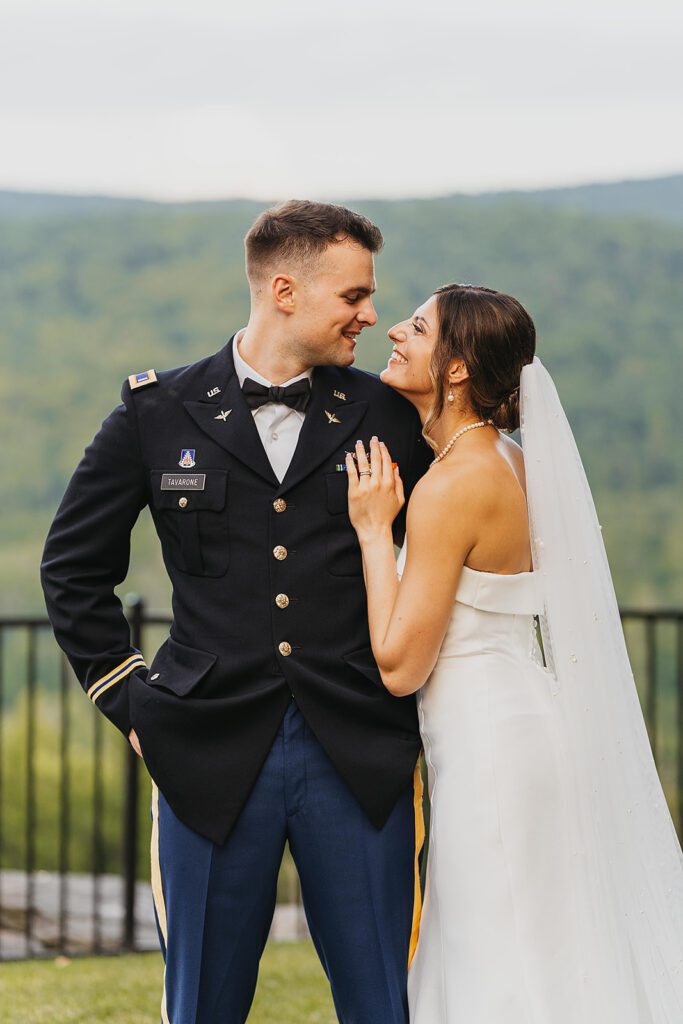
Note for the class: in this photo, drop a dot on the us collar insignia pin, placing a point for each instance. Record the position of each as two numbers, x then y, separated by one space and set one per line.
223 415
187 458
340 395
213 391
331 418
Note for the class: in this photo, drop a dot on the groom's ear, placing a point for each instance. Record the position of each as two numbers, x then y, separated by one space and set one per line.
282 290
457 372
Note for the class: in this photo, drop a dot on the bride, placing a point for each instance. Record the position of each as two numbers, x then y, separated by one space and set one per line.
554 889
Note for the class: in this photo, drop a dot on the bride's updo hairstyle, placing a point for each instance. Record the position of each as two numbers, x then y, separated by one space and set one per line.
495 337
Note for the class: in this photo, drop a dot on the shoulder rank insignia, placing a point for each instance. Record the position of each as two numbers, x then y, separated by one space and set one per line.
141 380
331 418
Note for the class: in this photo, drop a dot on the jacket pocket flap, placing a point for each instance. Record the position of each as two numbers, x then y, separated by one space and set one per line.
209 497
337 492
363 660
179 668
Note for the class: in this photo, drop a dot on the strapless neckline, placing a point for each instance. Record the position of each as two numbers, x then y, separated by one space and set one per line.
518 593
510 593
504 575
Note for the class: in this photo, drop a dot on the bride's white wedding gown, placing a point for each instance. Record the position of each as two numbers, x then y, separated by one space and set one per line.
555 877
498 938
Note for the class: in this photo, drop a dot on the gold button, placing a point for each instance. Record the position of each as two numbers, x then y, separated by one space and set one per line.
182 502
280 552
285 649
279 504
282 600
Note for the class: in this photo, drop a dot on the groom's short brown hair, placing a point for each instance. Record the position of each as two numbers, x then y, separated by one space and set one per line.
300 230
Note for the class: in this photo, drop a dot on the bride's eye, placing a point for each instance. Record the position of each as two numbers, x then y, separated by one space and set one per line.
417 328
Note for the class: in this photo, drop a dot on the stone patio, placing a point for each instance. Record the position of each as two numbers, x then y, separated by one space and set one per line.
84 932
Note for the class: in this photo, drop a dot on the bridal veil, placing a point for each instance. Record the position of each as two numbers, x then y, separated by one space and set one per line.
628 866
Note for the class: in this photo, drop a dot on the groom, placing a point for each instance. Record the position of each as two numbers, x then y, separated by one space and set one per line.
262 719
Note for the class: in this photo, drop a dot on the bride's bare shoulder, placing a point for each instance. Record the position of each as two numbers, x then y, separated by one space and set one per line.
511 448
514 455
461 486
471 483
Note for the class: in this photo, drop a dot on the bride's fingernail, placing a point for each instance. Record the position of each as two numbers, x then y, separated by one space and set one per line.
374 437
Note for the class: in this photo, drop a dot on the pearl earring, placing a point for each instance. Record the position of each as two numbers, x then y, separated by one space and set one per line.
450 393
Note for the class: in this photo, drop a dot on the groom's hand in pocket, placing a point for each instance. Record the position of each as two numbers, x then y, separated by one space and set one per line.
135 742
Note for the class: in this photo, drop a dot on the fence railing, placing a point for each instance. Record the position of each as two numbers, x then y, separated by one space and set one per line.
74 797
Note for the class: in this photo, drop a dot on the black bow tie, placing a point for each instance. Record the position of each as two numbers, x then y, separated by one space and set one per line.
295 395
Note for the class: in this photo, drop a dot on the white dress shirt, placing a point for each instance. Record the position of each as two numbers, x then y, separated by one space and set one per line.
278 425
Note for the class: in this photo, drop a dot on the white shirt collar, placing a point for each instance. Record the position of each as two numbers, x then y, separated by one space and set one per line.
243 369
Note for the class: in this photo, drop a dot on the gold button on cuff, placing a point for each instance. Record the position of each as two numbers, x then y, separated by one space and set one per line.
282 600
280 552
279 504
182 502
285 649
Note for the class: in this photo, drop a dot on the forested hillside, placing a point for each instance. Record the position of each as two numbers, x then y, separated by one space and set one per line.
658 198
661 198
93 293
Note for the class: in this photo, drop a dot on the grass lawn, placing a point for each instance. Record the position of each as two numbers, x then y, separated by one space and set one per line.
292 989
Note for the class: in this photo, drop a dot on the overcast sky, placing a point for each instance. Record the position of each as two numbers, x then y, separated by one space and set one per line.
269 98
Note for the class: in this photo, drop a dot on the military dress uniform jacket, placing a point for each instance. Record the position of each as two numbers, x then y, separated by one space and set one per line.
268 594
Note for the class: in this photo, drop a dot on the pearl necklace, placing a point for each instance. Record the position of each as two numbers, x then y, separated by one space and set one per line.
444 451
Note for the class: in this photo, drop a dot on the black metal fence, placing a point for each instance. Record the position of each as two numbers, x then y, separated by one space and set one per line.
74 820
33 885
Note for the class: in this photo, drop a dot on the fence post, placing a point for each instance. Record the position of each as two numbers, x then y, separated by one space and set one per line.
135 607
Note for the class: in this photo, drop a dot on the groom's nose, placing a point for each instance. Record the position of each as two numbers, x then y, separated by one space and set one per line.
366 314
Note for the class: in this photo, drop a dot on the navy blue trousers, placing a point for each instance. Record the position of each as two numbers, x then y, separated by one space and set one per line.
214 904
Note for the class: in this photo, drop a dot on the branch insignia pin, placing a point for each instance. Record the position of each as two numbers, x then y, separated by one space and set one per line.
331 418
223 415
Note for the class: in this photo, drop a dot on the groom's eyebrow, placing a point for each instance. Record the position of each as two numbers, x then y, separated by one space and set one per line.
361 290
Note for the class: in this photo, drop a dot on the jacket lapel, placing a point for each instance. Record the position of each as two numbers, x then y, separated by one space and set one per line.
330 420
228 420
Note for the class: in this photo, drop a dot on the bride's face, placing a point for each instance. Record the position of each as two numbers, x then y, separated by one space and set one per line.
413 343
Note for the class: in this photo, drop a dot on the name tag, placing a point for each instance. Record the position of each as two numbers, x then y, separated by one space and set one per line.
183 481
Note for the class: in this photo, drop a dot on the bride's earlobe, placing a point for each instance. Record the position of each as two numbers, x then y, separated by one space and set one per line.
457 373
